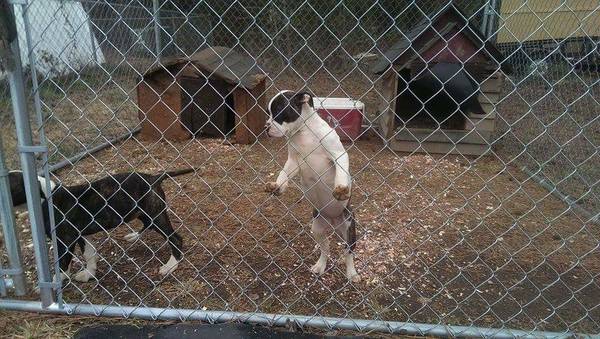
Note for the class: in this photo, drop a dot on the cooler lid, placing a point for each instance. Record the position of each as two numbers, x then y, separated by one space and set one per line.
337 103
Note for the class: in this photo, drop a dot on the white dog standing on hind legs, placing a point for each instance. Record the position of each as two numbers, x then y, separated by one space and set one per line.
317 154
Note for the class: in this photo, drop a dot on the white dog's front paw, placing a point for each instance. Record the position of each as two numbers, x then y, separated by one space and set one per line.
83 276
318 268
341 192
169 267
273 188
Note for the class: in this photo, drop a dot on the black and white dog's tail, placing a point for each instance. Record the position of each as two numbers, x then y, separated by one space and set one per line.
172 174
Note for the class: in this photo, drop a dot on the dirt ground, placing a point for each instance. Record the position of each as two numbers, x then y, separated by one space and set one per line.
446 240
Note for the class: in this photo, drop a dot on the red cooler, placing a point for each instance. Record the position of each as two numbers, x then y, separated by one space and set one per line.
343 114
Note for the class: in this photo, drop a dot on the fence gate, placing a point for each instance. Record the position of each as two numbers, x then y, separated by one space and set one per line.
12 276
471 127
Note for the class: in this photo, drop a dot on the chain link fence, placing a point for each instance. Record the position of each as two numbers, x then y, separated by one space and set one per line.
475 181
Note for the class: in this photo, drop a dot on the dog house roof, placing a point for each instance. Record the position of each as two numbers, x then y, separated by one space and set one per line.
460 20
219 61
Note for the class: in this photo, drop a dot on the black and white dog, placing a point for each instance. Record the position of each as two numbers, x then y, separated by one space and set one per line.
101 205
317 154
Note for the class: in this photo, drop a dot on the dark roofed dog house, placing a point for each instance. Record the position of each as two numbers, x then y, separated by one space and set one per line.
213 93
432 103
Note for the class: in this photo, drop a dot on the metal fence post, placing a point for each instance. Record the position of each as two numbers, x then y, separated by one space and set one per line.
39 118
491 26
156 19
484 17
32 61
27 150
3 291
11 241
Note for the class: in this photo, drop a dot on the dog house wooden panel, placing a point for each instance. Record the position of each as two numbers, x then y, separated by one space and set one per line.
249 107
448 42
158 111
215 92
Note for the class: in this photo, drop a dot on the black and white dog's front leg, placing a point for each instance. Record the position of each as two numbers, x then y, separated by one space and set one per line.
290 169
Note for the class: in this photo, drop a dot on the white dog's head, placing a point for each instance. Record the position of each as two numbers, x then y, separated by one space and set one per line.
285 109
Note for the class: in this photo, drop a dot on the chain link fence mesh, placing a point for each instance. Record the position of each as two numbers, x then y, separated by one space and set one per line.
508 239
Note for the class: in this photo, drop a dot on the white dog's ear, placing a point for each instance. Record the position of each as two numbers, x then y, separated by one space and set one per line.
303 98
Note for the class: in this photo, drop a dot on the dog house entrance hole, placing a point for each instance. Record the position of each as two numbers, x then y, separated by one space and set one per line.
205 112
421 103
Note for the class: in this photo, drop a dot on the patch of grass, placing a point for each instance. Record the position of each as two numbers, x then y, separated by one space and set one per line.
86 108
64 151
34 328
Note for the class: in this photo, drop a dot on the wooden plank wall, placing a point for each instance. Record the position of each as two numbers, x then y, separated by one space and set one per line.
389 88
159 113
489 97
250 112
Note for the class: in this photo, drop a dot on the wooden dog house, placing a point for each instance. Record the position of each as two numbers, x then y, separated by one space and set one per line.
215 92
441 84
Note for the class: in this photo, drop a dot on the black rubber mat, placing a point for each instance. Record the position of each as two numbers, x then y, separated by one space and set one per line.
185 331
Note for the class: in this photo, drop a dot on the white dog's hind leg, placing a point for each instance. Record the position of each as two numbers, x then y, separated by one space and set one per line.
351 273
320 230
347 231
